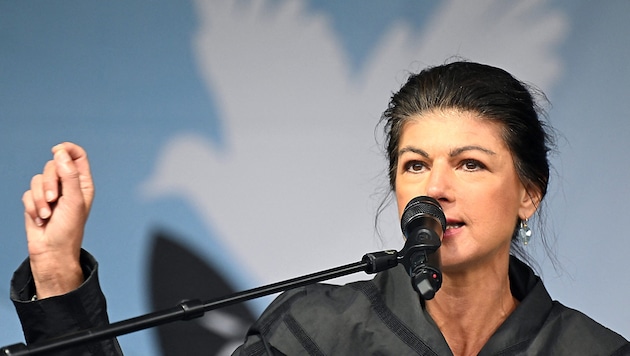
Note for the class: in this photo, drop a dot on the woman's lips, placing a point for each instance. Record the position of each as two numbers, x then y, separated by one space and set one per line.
452 227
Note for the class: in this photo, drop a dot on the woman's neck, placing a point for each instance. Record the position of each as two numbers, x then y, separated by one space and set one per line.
470 307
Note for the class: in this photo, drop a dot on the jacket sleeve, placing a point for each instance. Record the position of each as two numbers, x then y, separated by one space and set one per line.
81 309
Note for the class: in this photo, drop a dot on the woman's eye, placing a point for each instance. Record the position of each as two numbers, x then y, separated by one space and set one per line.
472 165
415 166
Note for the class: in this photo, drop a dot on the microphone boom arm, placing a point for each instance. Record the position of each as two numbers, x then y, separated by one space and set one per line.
190 309
423 223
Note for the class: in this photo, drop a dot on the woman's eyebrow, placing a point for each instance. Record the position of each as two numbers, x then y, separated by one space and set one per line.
453 153
461 150
413 150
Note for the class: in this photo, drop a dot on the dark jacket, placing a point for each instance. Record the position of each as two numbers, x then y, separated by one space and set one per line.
379 317
81 309
386 317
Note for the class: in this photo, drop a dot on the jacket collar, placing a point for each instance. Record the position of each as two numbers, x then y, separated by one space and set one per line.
520 327
527 319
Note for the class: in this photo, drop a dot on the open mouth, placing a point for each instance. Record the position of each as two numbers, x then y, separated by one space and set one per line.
454 225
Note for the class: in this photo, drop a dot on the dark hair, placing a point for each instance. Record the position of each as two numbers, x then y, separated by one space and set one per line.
491 92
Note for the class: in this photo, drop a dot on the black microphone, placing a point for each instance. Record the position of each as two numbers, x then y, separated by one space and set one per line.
423 223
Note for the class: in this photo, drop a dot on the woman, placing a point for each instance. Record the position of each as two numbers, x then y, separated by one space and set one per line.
465 134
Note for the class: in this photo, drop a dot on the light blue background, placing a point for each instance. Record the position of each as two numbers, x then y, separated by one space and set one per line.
254 95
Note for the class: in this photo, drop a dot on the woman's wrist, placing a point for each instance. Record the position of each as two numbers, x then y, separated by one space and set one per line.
56 280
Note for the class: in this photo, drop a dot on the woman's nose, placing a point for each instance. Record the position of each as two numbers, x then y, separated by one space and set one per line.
439 182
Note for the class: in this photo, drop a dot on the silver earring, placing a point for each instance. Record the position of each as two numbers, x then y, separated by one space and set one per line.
524 232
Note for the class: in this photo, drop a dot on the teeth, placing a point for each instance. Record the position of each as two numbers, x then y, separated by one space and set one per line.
453 226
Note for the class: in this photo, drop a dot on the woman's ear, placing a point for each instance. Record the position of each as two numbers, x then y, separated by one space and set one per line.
529 202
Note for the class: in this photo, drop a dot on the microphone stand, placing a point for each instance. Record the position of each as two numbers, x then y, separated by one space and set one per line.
191 309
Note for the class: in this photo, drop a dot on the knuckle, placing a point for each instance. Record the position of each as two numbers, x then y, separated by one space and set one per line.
27 196
36 179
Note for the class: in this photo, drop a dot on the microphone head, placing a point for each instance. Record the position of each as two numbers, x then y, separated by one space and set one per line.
423 223
422 207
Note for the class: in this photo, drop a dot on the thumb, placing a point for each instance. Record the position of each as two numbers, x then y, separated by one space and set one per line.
74 169
78 157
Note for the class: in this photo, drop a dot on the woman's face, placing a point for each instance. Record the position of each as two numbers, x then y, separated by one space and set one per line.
461 160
